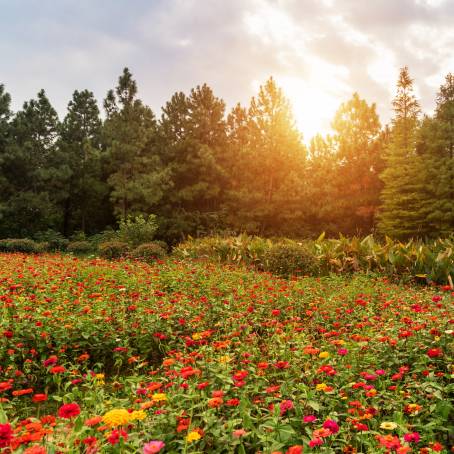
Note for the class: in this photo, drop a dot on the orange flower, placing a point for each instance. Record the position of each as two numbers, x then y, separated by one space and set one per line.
215 402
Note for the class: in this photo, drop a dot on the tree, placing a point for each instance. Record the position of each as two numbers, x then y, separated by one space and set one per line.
5 116
32 169
358 154
403 213
436 147
266 193
84 205
193 139
136 176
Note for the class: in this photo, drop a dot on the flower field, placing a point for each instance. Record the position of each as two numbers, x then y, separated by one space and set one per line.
124 357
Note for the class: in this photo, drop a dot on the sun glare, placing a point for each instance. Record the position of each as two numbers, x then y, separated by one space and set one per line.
312 106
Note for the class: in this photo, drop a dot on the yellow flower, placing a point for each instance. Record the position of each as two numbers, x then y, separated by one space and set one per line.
321 387
100 379
137 415
324 355
116 417
225 359
197 336
193 436
159 397
388 425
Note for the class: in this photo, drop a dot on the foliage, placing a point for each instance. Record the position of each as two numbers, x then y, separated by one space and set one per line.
290 259
430 261
55 241
149 252
19 245
79 247
113 249
137 230
216 359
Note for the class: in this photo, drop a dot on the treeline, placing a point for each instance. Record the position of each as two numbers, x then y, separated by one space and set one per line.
202 170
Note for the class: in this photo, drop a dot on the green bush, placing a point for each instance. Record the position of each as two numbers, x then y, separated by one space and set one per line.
287 259
149 252
20 245
79 247
52 241
113 249
137 230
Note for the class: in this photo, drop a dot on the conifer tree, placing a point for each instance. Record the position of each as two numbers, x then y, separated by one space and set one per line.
136 175
84 205
403 197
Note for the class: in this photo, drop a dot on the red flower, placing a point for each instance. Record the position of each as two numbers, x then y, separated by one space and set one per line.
115 436
434 352
39 397
5 435
35 450
57 369
297 449
69 411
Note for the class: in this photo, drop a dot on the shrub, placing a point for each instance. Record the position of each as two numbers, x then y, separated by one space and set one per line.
113 249
79 247
52 240
286 259
19 245
149 252
137 230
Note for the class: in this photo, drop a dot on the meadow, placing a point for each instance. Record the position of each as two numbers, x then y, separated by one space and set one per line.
196 357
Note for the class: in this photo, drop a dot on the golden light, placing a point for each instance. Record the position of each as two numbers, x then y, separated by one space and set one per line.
313 107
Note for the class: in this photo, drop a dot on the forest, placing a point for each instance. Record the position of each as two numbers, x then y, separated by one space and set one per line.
204 170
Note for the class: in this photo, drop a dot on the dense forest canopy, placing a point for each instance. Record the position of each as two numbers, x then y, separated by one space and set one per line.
202 169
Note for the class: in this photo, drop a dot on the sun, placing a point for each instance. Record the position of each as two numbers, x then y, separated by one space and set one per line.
312 106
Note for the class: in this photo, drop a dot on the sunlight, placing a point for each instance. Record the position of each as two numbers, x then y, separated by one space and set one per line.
313 107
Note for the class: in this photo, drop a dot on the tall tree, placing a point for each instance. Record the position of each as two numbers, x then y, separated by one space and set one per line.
32 169
267 187
83 206
402 214
357 138
136 175
193 139
436 148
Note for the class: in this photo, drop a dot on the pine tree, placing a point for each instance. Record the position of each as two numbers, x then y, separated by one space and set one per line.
32 169
358 155
193 138
84 206
136 175
403 211
267 194
437 146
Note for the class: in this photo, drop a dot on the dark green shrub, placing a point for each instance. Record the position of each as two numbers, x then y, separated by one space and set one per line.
149 252
19 245
137 230
113 249
79 247
52 241
286 259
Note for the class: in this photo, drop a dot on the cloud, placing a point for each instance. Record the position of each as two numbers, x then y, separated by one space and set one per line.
328 48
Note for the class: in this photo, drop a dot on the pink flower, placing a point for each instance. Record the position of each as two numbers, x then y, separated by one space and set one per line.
331 425
412 437
342 351
153 447
315 442
285 405
309 418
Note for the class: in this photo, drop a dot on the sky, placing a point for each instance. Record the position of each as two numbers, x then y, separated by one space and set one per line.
319 51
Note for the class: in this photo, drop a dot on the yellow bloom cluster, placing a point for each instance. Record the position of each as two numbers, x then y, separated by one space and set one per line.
324 355
193 436
321 387
159 397
116 417
137 415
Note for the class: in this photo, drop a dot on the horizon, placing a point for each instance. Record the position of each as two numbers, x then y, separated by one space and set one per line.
319 53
